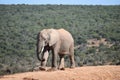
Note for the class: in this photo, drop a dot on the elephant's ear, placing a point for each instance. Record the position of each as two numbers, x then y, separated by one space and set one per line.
53 36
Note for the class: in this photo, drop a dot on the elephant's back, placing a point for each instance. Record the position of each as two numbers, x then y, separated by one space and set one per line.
65 35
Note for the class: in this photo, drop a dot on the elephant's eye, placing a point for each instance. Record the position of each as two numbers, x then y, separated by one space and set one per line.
45 40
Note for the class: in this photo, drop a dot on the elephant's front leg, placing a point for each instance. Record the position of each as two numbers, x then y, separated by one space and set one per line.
54 60
61 65
44 60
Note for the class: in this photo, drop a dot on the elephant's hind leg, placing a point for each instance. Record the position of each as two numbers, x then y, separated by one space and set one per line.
72 61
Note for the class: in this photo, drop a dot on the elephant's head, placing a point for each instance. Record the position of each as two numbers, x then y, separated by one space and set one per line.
46 37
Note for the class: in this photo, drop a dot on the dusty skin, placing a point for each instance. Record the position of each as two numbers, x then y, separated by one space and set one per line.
78 73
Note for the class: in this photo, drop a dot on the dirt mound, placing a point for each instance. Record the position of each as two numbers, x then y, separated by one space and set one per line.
79 73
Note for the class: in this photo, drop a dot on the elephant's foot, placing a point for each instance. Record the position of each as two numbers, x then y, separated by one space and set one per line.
73 66
42 68
52 69
36 69
62 68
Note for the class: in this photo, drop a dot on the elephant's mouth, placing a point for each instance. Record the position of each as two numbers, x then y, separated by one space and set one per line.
42 60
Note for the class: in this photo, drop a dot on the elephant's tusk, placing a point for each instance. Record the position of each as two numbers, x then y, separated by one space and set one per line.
42 50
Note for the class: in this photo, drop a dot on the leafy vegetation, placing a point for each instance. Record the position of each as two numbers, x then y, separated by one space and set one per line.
19 25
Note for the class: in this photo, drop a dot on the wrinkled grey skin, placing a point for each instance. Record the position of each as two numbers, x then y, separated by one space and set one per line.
60 42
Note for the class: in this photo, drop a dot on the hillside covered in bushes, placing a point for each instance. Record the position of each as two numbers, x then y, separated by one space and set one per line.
19 25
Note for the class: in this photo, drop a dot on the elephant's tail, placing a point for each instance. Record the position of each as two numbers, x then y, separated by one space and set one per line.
78 46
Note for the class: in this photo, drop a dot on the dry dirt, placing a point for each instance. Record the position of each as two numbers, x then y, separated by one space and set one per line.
78 73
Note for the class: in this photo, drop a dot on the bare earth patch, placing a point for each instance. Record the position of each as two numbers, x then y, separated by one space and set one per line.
78 73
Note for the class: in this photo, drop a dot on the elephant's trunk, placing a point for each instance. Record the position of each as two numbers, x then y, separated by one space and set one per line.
39 54
40 48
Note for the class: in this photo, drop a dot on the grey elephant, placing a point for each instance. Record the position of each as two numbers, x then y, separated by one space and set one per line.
60 42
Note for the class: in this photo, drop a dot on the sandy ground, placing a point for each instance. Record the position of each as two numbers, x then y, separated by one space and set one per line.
78 73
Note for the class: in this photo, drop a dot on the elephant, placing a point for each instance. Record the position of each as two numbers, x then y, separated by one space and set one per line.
60 42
